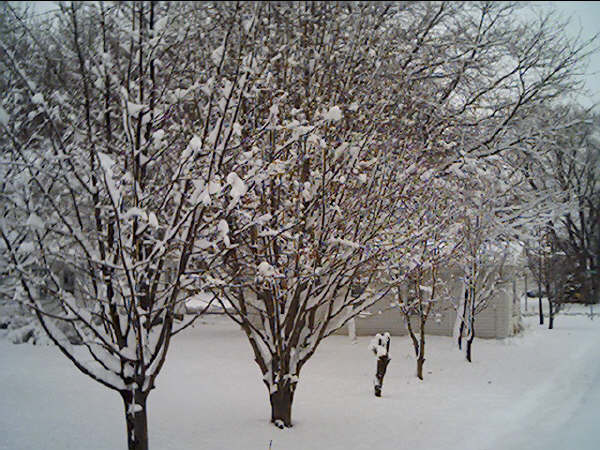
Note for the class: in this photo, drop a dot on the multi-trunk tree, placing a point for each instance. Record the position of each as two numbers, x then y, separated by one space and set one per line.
318 181
105 125
500 213
419 267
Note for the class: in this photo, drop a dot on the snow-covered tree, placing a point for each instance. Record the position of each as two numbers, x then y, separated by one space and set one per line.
482 262
317 182
414 267
550 268
425 86
472 76
113 121
501 212
255 151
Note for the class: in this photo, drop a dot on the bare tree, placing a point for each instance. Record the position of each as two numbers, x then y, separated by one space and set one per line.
550 269
562 255
573 165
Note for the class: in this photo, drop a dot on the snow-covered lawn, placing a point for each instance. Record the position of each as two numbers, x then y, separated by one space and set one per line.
537 390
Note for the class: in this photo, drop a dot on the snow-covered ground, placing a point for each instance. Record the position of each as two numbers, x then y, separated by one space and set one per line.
539 390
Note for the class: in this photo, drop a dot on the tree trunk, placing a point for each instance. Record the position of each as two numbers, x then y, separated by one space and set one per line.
380 346
412 335
471 334
595 285
464 318
469 345
421 354
550 308
526 296
382 363
136 419
540 293
281 405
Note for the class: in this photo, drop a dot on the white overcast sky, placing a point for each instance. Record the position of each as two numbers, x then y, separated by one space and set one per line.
585 18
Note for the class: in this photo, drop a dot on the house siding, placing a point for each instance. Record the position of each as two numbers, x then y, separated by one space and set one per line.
499 319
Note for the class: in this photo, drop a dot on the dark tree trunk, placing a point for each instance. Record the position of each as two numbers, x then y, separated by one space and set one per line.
471 333
413 337
469 345
464 318
550 308
380 345
382 363
526 296
540 293
595 285
421 355
136 418
281 405
420 363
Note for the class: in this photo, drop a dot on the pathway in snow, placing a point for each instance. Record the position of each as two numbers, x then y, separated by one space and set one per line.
581 430
562 410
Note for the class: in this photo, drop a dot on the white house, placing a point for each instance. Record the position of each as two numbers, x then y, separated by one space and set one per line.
499 317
